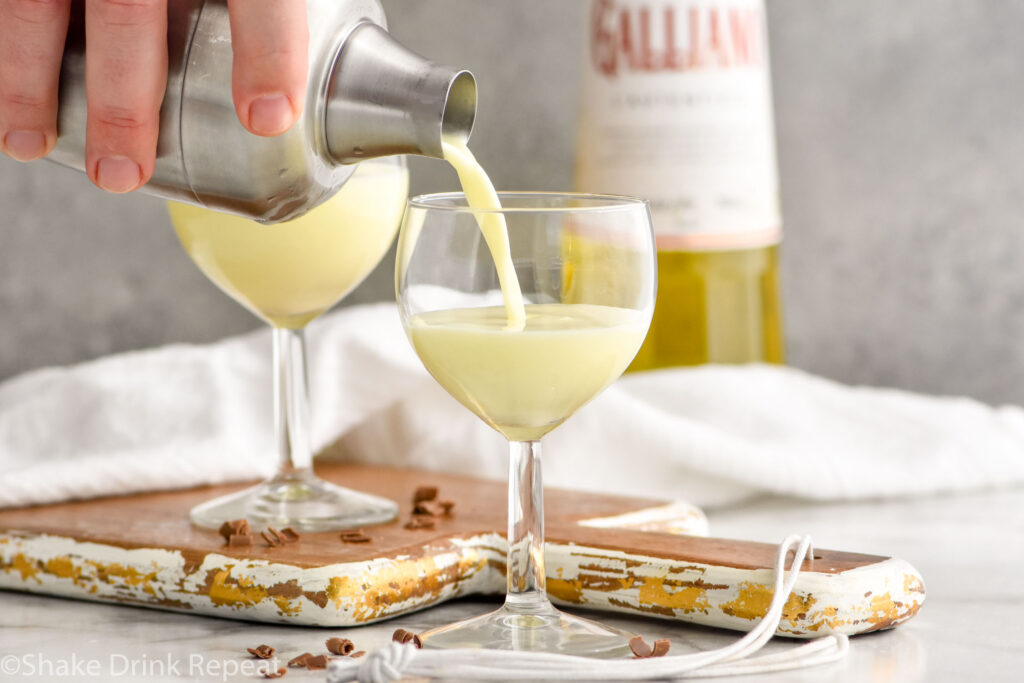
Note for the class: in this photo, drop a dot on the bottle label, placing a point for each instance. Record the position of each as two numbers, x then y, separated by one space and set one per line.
677 109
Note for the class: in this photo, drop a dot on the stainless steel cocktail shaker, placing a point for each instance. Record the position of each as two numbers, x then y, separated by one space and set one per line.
366 96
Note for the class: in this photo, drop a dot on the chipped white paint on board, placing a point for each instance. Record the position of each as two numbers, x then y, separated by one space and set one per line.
875 596
868 598
343 594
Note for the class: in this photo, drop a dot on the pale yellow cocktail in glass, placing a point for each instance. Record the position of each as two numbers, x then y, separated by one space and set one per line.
288 274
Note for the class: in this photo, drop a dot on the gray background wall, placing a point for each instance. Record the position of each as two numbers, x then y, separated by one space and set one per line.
900 134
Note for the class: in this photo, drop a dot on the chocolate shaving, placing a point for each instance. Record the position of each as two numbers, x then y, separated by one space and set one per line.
403 636
275 674
289 535
300 661
261 651
340 646
235 527
272 540
420 522
642 650
355 655
355 536
316 662
239 540
639 647
425 508
237 533
424 493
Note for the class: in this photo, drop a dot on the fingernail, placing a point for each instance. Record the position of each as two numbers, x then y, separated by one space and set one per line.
270 114
118 174
25 145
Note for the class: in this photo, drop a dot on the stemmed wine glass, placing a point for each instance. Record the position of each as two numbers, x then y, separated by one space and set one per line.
586 268
288 274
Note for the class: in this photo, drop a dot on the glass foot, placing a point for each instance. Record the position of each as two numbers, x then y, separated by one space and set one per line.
543 629
305 503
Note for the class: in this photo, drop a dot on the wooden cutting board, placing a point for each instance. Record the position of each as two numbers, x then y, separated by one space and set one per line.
608 552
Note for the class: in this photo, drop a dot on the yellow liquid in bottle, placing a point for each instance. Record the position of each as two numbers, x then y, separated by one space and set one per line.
289 273
715 307
687 123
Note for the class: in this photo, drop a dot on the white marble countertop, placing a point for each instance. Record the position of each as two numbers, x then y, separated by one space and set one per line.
970 550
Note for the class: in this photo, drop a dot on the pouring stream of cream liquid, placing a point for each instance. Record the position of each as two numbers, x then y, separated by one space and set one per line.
481 196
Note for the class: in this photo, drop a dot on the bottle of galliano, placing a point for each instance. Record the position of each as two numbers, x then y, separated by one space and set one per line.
676 108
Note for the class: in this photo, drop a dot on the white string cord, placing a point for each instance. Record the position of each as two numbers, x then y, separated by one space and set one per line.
395 660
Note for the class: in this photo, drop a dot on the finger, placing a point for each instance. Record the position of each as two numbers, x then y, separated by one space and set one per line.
32 36
125 77
270 41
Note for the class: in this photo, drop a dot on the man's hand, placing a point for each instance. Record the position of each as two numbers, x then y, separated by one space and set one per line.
126 73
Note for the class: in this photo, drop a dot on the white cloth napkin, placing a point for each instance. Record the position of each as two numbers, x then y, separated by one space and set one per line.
182 416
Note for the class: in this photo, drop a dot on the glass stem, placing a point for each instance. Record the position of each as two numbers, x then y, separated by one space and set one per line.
526 585
291 405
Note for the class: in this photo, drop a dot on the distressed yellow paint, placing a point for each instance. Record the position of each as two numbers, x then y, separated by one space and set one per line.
130 575
835 622
286 606
827 617
471 563
241 593
567 590
24 566
685 598
754 598
883 610
398 582
751 602
796 608
64 568
912 584
337 589
375 593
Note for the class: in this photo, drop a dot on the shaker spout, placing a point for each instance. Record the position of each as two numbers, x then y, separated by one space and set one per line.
384 99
